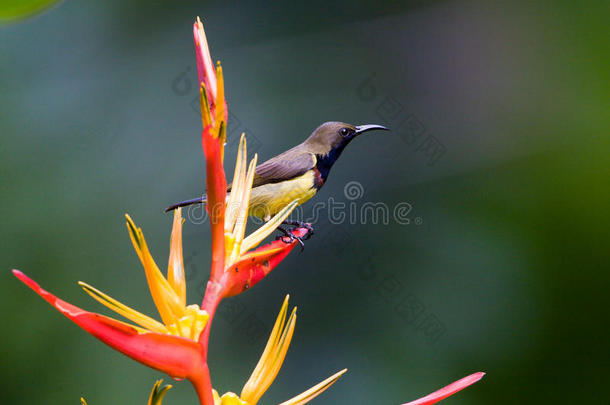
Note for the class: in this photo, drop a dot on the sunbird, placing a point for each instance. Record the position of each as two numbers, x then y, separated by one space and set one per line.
297 173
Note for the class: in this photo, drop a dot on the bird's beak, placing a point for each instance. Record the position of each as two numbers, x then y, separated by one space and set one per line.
369 127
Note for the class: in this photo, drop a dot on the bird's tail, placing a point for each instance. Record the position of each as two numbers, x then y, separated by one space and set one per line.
198 200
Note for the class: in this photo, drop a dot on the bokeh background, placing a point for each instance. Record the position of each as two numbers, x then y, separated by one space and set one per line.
499 146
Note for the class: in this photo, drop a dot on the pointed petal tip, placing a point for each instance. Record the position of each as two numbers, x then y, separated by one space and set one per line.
339 374
472 378
449 390
129 220
314 391
25 279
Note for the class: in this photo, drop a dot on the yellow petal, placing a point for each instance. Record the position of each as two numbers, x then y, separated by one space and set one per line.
175 267
231 398
222 135
261 233
271 361
165 298
157 394
82 401
216 397
191 325
206 115
254 254
145 321
236 185
315 390
219 105
242 214
271 343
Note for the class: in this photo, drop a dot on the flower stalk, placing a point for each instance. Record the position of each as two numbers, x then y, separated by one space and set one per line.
234 268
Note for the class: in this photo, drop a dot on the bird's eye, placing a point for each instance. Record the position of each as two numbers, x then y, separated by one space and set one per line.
344 131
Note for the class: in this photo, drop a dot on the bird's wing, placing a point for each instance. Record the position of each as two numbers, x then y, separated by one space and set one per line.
285 166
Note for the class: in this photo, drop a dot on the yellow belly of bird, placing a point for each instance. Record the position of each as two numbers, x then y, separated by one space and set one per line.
267 200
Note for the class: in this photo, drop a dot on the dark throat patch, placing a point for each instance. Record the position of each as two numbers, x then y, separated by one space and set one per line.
325 162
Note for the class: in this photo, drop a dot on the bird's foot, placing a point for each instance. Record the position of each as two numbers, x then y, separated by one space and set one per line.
301 224
288 237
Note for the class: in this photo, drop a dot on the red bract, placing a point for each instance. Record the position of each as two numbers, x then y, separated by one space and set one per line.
174 355
216 196
447 391
253 267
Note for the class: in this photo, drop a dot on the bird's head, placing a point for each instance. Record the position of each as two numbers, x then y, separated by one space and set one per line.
334 134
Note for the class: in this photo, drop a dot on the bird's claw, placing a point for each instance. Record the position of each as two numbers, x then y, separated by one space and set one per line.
301 224
291 237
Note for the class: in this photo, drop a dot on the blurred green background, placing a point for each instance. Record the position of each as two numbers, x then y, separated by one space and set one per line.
502 268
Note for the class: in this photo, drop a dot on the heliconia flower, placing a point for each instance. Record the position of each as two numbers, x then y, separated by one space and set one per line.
447 391
269 365
170 346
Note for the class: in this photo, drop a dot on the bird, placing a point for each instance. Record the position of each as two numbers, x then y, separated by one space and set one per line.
298 173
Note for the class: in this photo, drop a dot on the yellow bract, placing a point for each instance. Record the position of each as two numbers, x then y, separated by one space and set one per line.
314 391
228 398
168 294
269 365
157 393
273 356
236 213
